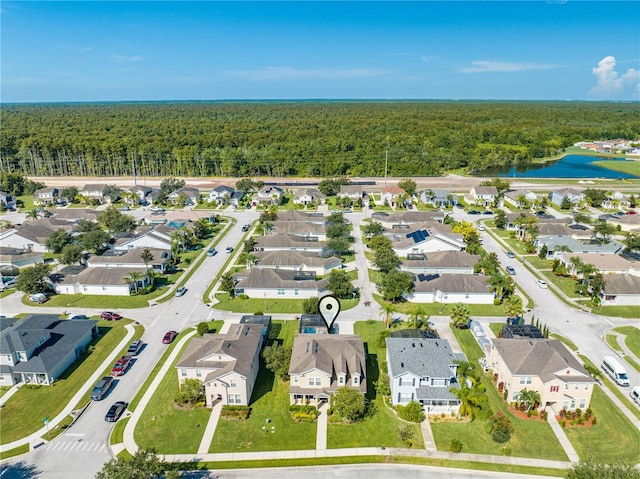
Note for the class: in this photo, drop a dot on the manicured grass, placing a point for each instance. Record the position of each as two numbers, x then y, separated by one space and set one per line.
14 452
444 309
270 400
567 285
268 305
633 363
612 439
538 263
97 301
7 292
22 414
117 433
4 389
629 167
566 342
27 201
632 339
612 341
617 311
530 438
165 427
496 328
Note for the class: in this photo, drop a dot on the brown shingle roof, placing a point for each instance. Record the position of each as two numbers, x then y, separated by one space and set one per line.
266 278
444 259
452 283
621 284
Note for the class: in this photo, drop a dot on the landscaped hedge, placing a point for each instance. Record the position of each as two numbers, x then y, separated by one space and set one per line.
304 413
235 413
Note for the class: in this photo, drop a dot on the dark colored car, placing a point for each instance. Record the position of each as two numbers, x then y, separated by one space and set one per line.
487 212
211 252
135 347
121 366
169 337
101 389
115 411
79 317
473 212
109 316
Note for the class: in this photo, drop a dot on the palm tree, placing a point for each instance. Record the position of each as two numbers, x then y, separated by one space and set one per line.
386 310
247 258
32 215
529 397
460 315
499 284
133 277
513 306
416 316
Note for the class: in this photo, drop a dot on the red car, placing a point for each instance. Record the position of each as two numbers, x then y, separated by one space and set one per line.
121 366
109 316
169 337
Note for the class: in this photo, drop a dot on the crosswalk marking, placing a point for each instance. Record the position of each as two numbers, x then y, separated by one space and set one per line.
77 446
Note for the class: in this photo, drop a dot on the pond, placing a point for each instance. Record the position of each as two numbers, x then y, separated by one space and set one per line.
570 166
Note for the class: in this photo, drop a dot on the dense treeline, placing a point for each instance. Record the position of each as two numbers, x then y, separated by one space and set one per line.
297 138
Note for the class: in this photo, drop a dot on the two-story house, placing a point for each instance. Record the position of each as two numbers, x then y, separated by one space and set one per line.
268 196
482 196
184 196
542 365
308 196
438 198
321 364
227 364
45 196
575 196
423 370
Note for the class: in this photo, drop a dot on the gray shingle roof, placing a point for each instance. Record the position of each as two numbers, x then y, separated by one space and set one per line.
452 283
432 358
293 258
622 284
444 259
286 241
273 279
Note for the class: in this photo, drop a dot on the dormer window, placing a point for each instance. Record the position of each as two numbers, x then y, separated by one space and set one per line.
356 380
341 380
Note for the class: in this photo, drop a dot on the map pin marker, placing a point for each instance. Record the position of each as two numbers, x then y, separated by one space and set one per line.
329 308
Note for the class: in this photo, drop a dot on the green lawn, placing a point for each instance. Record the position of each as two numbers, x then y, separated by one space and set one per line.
268 305
612 341
22 414
530 438
538 263
117 433
444 309
634 364
270 400
617 311
632 339
630 167
613 438
97 301
567 285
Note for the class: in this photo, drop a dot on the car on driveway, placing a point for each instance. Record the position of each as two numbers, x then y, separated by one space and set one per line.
211 252
487 212
121 366
510 270
109 316
541 284
101 389
169 337
473 212
135 347
38 297
229 249
115 411
79 317
510 254
180 291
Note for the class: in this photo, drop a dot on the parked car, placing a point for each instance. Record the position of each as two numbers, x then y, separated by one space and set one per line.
248 206
180 291
169 337
101 389
9 283
229 249
510 254
541 284
121 366
480 227
510 270
79 317
115 411
135 347
38 297
246 227
473 212
125 208
109 316
487 212
211 252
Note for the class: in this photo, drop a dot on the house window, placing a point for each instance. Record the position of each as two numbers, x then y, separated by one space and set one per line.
232 383
341 380
183 373
198 373
575 388
586 387
405 397
315 381
295 292
554 389
356 380
295 379
466 296
104 288
583 403
281 292
525 380
235 399
565 405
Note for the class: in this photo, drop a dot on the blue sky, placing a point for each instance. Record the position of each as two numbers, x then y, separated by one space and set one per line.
112 51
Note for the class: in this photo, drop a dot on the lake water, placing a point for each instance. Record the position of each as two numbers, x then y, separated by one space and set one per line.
571 166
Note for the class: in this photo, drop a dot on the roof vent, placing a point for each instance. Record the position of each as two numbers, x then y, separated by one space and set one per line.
401 365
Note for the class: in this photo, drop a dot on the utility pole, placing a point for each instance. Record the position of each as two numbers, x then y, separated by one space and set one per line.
133 168
386 161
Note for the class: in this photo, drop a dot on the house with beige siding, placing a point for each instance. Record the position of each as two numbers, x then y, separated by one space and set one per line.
442 262
321 364
296 261
279 283
542 365
226 364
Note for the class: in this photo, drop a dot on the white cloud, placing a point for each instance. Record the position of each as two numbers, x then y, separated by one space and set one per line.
483 66
428 58
288 73
608 80
125 58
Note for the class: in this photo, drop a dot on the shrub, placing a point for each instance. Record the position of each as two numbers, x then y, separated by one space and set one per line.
304 412
411 412
544 415
533 412
593 421
562 413
578 412
589 411
237 413
562 423
406 433
499 427
243 296
455 445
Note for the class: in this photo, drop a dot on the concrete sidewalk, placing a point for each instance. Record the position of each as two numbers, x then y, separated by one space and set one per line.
37 436
562 437
210 430
321 432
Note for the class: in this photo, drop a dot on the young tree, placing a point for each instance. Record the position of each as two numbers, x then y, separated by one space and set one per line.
372 229
85 226
597 285
191 392
277 359
348 404
203 328
144 464
339 284
34 279
340 245
513 306
408 185
228 284
632 241
200 230
387 310
70 194
499 427
566 204
115 221
460 315
417 316
500 219
582 219
603 230
395 285
58 240
529 397
379 242
133 277
310 305
32 215
595 196
169 185
71 254
147 256
386 259
112 192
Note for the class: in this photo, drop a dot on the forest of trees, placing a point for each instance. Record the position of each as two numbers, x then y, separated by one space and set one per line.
314 138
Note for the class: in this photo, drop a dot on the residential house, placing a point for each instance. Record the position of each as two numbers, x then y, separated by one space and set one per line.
438 198
522 198
45 196
301 230
574 195
95 193
226 364
157 237
441 262
132 258
313 324
557 243
102 281
423 370
302 216
521 331
621 290
626 222
321 364
184 196
268 196
542 365
391 195
137 194
482 196
281 242
225 195
309 196
38 349
278 284
426 239
296 261
616 200
353 192
451 289
261 320
14 258
73 215
32 235
405 219
605 263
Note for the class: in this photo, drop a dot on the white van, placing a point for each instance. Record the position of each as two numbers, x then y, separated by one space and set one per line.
635 395
614 369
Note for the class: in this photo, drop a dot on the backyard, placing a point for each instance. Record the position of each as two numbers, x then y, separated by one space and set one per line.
268 305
